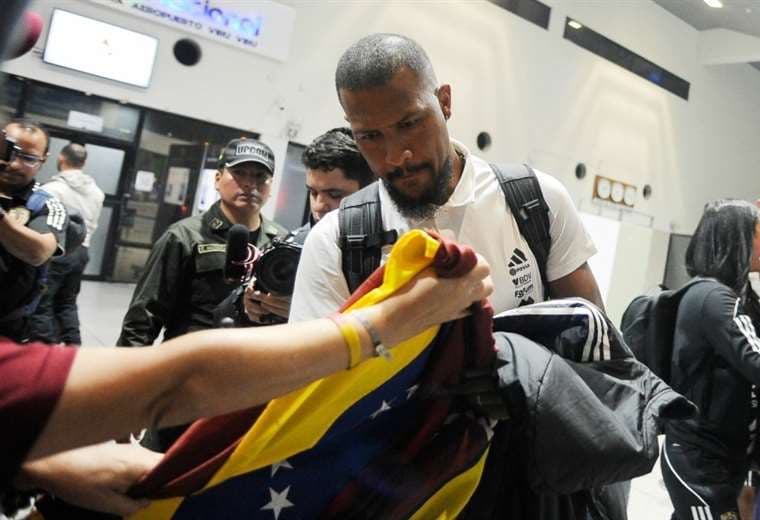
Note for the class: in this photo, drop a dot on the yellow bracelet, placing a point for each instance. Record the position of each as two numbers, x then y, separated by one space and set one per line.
351 335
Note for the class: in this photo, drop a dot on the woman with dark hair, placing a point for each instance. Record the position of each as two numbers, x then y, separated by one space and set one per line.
716 363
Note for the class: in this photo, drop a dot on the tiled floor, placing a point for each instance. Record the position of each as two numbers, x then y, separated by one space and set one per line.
102 307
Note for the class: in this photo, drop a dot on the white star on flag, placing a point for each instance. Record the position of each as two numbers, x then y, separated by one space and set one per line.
384 407
411 391
279 502
281 464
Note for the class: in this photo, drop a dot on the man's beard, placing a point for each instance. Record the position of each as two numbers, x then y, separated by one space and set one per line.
426 205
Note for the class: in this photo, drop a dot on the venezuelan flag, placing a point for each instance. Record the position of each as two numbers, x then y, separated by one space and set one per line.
382 440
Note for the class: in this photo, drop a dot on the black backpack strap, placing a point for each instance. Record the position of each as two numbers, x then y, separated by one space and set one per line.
526 201
361 235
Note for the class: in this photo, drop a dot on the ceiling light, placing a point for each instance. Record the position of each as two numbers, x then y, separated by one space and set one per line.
714 3
574 24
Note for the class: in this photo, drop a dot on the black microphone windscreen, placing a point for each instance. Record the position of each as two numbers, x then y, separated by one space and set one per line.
12 13
237 253
24 35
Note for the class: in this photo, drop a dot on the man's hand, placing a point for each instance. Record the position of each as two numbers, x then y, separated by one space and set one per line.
96 477
258 305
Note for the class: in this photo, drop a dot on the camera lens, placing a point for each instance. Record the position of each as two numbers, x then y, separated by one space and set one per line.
275 270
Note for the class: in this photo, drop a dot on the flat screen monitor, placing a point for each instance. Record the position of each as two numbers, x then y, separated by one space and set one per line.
94 47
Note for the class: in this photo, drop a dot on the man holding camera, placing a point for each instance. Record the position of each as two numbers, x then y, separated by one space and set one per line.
32 225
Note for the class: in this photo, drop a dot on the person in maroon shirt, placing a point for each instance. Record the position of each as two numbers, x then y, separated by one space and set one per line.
60 398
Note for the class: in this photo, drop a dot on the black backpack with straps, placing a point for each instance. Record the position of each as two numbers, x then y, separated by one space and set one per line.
362 236
649 326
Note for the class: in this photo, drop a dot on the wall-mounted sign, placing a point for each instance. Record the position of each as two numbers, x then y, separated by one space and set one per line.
176 185
85 121
259 26
614 191
144 181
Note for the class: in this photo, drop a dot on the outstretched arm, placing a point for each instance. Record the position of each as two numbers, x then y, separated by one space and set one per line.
214 372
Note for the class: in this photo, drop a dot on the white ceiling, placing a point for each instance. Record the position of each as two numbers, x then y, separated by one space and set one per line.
742 16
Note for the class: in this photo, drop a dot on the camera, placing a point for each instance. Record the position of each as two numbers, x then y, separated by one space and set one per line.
275 269
8 148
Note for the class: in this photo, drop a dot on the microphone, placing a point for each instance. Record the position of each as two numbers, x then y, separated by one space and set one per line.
24 35
235 268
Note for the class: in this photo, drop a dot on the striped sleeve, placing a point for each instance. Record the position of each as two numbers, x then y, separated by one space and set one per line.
572 327
731 332
52 218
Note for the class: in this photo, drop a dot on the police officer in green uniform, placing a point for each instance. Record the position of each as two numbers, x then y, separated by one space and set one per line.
32 225
183 280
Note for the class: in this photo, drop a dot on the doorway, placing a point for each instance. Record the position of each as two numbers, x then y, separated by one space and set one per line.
106 164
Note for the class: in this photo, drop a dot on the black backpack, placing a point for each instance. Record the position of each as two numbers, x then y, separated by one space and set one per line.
649 324
362 236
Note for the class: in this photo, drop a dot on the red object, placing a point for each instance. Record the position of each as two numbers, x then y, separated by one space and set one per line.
25 34
31 381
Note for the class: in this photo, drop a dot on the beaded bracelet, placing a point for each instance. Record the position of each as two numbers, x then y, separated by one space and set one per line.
351 335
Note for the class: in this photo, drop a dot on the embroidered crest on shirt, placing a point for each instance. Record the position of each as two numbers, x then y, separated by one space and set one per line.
522 277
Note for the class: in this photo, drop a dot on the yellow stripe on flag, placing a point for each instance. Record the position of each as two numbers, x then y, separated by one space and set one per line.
449 501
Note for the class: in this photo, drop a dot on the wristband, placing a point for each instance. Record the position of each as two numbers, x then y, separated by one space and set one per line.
377 344
351 336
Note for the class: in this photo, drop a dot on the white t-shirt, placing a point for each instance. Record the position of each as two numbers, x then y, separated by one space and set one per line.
476 214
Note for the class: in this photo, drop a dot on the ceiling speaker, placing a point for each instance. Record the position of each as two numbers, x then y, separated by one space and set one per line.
483 140
187 52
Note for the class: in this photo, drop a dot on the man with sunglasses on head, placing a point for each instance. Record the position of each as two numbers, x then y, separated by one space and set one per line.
183 280
32 225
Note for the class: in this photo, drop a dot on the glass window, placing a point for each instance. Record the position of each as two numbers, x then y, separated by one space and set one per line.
129 263
290 210
169 141
10 96
675 268
98 243
172 152
69 109
103 164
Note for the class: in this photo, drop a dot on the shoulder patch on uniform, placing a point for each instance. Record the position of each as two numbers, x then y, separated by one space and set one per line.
216 223
211 248
20 214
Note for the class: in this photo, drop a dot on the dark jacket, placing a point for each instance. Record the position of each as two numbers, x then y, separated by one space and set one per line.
183 280
23 283
716 361
584 416
300 234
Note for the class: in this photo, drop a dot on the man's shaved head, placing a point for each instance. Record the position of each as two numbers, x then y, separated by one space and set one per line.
375 59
